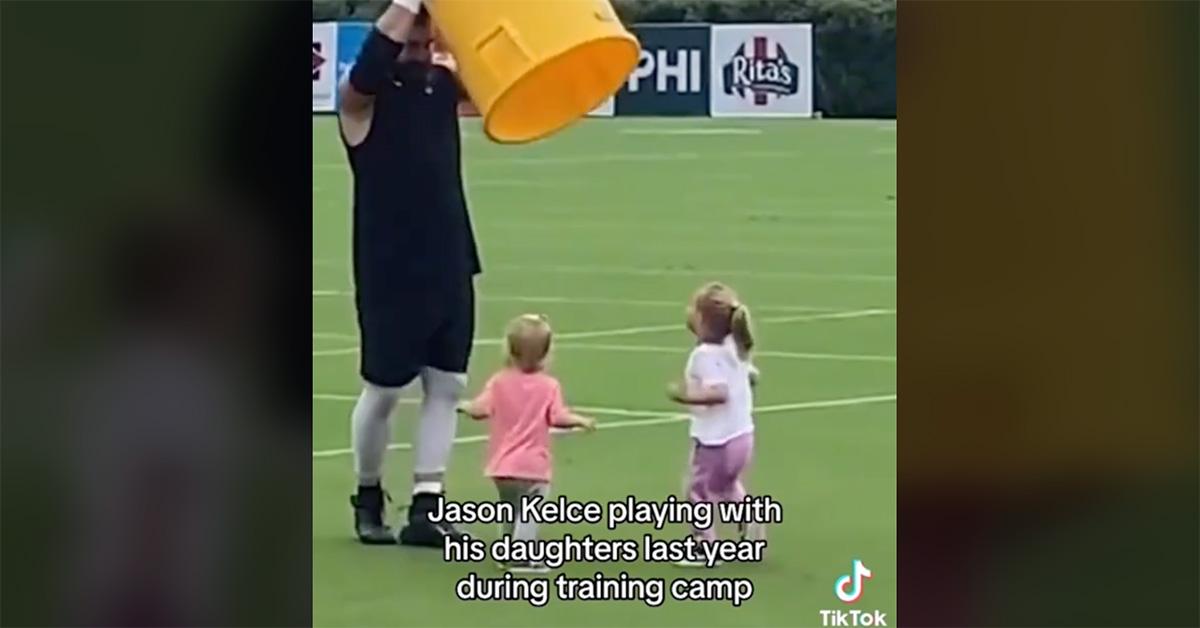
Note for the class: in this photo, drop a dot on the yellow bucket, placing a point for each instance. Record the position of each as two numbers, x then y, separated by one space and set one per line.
534 66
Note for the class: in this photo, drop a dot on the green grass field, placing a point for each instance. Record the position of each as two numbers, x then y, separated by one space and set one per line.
608 228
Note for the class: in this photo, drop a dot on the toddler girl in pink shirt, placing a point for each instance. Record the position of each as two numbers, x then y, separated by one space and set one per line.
522 402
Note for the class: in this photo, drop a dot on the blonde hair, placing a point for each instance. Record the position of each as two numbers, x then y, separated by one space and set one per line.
527 343
723 314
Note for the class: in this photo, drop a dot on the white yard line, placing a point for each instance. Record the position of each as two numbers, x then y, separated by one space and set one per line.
692 131
757 354
658 417
602 158
648 329
318 353
663 231
785 355
690 246
590 159
519 183
631 271
414 398
666 271
321 335
536 160
630 331
677 304
617 270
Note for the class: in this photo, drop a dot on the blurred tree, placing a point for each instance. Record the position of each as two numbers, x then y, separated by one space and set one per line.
327 10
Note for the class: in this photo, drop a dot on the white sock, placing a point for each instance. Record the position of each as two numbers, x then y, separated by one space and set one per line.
371 431
436 426
525 530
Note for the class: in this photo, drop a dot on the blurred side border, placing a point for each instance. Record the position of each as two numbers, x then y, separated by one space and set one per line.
156 249
1047 255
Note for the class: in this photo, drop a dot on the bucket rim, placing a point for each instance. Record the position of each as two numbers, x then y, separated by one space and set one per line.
615 37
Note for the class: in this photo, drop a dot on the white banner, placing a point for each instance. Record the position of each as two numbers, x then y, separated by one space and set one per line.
324 70
761 70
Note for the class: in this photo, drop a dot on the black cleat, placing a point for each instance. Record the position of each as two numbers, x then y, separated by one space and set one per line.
420 531
368 517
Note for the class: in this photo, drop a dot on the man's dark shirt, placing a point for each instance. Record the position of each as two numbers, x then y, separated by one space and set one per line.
412 229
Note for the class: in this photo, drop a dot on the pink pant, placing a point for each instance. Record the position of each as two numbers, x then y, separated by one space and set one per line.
717 474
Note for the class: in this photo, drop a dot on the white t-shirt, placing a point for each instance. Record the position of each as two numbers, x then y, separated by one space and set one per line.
712 365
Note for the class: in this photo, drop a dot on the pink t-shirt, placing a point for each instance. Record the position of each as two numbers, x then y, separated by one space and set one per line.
521 408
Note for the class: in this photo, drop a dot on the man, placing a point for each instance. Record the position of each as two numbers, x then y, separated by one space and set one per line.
414 261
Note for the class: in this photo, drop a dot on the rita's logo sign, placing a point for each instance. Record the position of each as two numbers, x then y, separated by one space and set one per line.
318 61
760 74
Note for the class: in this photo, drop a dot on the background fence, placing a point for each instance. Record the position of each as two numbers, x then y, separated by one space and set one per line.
853 41
744 70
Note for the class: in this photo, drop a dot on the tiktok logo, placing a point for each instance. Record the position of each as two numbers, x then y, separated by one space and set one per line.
850 587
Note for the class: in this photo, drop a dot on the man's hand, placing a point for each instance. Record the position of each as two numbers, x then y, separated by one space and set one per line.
446 60
412 6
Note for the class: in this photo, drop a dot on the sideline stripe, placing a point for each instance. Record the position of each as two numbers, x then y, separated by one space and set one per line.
658 417
631 331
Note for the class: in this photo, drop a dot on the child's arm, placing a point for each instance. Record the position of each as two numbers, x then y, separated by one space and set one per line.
705 382
561 415
701 396
571 419
473 409
480 407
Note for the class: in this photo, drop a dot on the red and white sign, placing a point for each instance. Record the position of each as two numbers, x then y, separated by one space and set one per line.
324 66
761 70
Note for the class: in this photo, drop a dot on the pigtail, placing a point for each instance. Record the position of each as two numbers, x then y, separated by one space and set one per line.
740 327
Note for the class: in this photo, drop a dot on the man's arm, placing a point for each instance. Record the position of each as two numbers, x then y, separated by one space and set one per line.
356 91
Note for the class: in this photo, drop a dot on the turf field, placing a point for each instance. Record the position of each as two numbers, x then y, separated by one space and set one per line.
608 228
